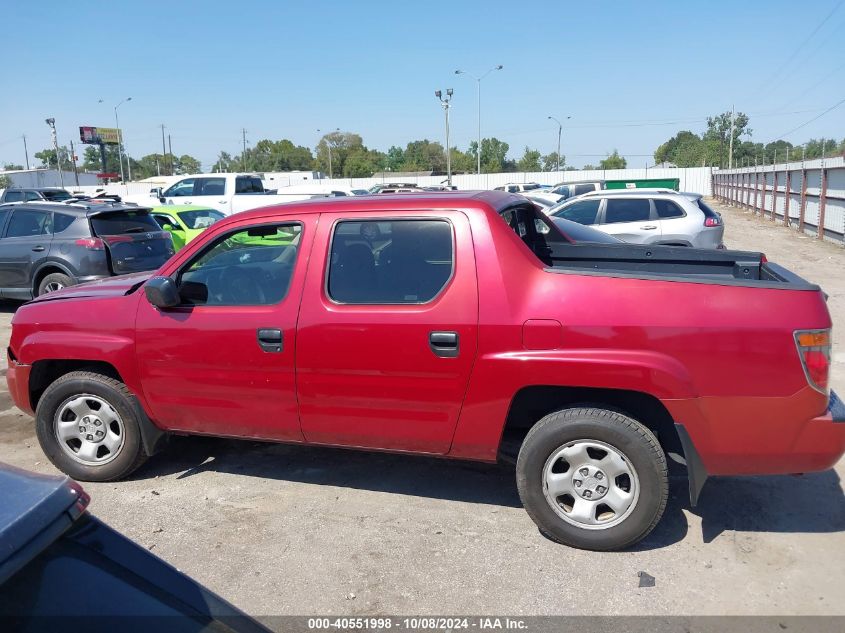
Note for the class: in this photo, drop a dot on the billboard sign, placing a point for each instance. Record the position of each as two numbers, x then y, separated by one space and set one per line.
97 135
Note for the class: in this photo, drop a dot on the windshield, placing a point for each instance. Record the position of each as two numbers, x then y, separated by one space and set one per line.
200 218
59 194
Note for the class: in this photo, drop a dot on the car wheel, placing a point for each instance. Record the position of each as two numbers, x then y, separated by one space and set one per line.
53 282
592 478
88 428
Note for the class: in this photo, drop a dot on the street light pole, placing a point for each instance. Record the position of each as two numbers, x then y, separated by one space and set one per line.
120 138
559 130
445 103
478 83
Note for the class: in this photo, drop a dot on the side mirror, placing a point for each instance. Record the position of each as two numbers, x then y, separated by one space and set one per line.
162 292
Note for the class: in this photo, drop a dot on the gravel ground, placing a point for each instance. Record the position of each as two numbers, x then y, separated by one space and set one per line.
287 530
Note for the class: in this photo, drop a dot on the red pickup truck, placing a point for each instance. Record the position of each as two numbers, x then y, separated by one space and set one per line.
464 325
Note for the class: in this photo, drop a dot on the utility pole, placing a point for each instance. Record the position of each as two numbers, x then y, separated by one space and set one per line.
243 156
478 84
731 144
25 150
445 104
170 150
73 160
163 151
52 123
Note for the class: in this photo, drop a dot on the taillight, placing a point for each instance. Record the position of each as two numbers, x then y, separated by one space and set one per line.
712 222
91 243
117 239
814 351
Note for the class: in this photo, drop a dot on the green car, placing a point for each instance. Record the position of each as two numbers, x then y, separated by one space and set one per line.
185 222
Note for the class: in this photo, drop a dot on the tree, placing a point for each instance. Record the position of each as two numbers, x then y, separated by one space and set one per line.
462 162
224 163
395 158
269 155
530 160
613 161
493 154
338 145
12 167
550 161
5 181
719 129
424 155
48 158
589 167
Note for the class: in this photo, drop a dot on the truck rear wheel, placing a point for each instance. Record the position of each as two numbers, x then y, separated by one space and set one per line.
87 427
592 478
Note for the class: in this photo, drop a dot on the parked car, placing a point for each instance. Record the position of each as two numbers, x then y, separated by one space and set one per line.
542 197
227 193
20 194
60 566
395 187
462 324
185 222
518 187
566 190
47 246
642 216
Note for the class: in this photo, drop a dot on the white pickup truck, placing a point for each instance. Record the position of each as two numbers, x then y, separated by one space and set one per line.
228 193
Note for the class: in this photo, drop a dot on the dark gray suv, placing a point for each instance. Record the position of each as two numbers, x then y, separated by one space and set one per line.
46 246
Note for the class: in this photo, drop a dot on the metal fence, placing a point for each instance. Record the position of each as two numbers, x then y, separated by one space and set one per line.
808 196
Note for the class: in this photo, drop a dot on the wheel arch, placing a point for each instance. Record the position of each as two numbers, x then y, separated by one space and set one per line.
46 268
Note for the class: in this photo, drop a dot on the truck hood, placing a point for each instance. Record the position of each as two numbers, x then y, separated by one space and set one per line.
110 287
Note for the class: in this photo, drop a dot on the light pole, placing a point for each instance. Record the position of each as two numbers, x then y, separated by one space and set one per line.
559 130
120 148
329 148
478 82
52 123
445 103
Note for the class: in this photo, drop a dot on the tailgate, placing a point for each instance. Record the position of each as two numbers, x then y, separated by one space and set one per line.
133 239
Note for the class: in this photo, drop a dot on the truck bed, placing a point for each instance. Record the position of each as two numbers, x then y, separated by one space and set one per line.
673 263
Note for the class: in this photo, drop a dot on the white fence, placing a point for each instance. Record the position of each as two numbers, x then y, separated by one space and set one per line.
693 179
808 196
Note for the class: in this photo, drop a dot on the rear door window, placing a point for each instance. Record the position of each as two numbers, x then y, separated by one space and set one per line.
666 209
583 212
29 223
210 187
627 210
248 184
390 262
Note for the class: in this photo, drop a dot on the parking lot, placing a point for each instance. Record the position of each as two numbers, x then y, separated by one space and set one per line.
291 530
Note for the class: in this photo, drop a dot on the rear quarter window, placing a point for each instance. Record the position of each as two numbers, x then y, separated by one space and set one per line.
666 209
120 222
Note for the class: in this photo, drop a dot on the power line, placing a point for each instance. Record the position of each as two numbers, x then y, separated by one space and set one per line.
815 118
781 67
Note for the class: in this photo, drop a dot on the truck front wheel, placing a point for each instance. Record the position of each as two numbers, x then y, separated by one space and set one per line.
592 478
87 427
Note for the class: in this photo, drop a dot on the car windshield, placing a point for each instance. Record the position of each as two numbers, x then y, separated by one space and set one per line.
200 218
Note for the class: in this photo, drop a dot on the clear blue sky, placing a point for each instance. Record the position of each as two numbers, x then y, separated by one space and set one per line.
284 69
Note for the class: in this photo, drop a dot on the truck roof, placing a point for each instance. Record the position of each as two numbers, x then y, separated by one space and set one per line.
495 200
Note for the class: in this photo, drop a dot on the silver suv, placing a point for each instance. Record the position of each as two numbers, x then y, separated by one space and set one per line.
659 216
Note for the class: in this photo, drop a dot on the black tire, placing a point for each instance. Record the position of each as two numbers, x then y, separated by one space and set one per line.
128 457
54 279
639 448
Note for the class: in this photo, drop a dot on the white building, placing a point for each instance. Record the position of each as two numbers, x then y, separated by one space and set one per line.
47 178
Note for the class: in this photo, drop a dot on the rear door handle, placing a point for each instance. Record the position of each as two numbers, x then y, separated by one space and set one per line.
38 249
270 340
444 344
650 227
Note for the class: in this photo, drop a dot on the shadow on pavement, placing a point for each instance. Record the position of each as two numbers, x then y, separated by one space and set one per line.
812 503
414 475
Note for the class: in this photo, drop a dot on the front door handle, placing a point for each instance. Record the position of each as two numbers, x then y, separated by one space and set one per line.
270 340
650 227
38 249
444 344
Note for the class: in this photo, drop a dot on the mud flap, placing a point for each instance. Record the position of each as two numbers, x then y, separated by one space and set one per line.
696 473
